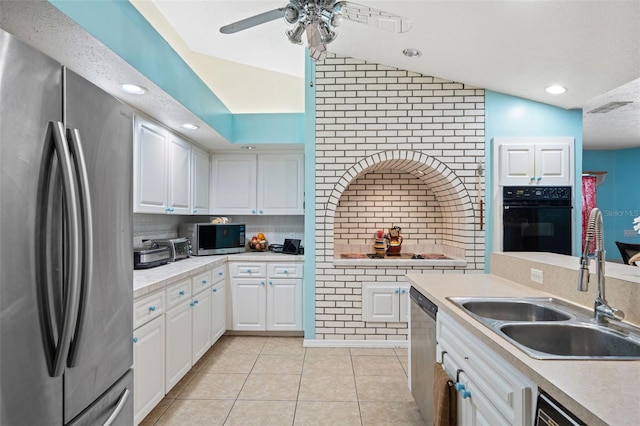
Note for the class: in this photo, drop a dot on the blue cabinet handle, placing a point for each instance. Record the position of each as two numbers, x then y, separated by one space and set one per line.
253 211
192 304
286 272
270 282
459 386
215 290
248 271
261 282
532 178
397 291
404 290
220 273
152 308
539 179
195 210
466 394
260 211
204 281
181 292
135 339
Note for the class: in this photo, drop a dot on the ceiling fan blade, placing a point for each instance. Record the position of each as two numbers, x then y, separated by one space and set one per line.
252 21
374 17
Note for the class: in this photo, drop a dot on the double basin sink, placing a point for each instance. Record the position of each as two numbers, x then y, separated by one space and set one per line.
548 328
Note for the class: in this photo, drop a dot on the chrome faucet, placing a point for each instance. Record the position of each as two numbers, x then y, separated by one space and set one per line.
601 310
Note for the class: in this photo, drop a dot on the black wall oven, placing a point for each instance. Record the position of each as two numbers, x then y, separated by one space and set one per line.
537 219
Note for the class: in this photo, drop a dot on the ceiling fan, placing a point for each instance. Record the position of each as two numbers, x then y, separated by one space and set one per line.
319 20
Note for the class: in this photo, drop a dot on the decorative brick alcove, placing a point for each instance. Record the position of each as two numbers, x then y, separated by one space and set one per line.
392 148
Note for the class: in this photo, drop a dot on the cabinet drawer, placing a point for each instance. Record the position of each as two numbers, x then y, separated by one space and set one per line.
148 308
178 292
285 270
201 282
219 274
244 270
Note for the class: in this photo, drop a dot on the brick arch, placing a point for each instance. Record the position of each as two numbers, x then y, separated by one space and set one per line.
452 195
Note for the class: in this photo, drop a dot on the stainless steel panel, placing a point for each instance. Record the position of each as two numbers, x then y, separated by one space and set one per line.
113 408
103 350
423 355
30 97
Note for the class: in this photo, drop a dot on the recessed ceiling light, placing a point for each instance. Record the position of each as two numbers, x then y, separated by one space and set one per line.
190 126
411 52
132 89
248 147
556 89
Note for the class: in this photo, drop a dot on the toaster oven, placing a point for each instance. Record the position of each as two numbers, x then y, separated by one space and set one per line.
179 247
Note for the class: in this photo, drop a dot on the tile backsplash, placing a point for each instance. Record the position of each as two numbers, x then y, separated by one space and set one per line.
275 228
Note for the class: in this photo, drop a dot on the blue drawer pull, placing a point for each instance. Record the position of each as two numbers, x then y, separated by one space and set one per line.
152 308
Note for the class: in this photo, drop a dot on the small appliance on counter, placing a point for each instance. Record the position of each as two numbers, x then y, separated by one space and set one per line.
290 246
179 247
208 238
150 255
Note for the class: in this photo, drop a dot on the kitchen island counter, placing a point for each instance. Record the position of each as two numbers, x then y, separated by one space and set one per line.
598 392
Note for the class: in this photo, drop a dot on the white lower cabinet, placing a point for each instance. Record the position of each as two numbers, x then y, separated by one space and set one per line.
179 332
490 390
148 372
385 302
218 310
266 296
201 321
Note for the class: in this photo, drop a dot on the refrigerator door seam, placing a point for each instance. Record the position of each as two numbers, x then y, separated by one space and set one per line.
75 145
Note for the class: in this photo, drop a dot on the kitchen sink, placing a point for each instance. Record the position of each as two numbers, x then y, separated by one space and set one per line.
549 328
572 340
515 310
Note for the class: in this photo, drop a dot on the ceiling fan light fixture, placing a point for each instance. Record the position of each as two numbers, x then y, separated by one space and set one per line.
295 35
291 13
326 35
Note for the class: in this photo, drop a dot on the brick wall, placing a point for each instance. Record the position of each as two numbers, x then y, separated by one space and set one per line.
392 148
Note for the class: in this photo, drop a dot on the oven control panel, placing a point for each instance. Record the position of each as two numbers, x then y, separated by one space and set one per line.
520 193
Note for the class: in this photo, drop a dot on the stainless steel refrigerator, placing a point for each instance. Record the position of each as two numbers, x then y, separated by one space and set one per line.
65 246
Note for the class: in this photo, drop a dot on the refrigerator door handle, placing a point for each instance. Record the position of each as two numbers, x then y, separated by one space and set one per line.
58 351
82 177
122 401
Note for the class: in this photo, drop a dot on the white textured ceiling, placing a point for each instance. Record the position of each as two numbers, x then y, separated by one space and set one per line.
512 47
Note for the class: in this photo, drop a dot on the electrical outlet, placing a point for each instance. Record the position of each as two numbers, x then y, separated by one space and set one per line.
536 276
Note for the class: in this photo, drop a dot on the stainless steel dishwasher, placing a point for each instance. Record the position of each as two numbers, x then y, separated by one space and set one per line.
422 352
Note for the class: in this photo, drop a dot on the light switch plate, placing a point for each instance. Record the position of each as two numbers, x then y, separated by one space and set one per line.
536 276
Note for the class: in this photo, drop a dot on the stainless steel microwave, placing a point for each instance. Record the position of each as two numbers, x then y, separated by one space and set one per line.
209 238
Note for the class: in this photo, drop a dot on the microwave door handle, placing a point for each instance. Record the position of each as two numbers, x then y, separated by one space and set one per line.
57 351
82 177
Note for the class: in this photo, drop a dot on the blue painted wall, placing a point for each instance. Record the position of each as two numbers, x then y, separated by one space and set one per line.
310 202
618 197
119 25
512 116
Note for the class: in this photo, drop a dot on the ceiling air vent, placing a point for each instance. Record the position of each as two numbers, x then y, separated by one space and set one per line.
609 107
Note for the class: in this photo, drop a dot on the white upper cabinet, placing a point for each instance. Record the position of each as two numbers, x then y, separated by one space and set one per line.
262 184
535 161
179 181
233 184
199 181
280 184
170 174
150 167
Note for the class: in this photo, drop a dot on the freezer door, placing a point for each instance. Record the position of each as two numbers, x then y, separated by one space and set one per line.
30 97
102 350
113 408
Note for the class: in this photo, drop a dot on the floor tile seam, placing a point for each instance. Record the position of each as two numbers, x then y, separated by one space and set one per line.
295 408
355 386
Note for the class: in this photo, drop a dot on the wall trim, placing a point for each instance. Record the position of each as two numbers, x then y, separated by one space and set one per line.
389 344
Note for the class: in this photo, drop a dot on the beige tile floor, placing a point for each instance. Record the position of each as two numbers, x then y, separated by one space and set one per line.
276 381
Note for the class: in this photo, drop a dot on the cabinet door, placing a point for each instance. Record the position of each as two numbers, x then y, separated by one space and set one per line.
148 367
201 308
179 332
179 179
150 167
405 307
476 408
380 302
233 184
280 184
218 310
553 164
199 181
248 303
517 164
284 304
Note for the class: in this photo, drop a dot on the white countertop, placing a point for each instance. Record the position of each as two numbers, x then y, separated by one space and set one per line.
152 279
598 392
